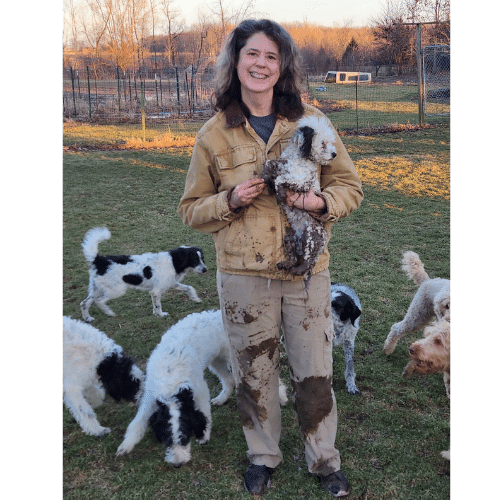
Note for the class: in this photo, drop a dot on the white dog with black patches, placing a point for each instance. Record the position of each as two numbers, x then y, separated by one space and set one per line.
296 170
346 312
110 276
93 364
176 400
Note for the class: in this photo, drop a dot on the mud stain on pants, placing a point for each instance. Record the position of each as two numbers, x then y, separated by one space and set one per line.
313 402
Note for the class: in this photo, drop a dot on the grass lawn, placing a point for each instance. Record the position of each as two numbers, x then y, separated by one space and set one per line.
389 437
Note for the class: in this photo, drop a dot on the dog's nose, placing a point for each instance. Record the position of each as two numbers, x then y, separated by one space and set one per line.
334 155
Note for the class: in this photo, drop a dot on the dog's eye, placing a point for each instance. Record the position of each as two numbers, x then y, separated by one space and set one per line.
437 342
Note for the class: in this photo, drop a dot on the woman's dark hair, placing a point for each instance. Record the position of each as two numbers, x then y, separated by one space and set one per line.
286 98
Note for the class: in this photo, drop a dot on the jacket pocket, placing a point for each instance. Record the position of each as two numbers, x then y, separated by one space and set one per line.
250 243
236 165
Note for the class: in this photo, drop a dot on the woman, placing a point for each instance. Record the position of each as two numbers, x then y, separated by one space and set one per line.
258 103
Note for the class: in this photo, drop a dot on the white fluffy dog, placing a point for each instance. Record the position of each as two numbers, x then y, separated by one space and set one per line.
346 312
92 365
110 276
176 399
297 170
432 300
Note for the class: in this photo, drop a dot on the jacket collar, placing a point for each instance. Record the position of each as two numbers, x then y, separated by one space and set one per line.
234 115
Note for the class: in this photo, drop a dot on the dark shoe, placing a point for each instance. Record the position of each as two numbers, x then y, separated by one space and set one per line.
258 479
336 484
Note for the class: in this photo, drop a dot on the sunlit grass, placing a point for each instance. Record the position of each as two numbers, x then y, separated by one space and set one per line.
425 177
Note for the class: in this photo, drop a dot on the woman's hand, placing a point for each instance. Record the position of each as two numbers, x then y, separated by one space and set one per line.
244 193
310 202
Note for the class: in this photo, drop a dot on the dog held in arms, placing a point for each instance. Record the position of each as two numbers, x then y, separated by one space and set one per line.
296 170
110 276
432 355
93 364
346 312
176 399
432 300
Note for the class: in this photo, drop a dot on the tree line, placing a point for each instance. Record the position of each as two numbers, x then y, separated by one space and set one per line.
150 36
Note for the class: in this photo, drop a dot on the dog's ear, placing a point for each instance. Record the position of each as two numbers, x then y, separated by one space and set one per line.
161 425
115 372
345 308
306 146
192 420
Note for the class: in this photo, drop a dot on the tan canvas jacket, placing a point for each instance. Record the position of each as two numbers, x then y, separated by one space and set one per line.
250 241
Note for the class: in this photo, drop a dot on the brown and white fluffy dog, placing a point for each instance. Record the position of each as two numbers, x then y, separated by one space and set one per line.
432 355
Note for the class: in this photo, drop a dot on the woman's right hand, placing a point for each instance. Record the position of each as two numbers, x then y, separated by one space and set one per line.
244 193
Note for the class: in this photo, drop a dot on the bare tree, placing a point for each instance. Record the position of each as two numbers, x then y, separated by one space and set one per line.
226 17
174 26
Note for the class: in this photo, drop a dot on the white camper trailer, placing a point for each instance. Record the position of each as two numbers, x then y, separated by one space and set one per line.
347 77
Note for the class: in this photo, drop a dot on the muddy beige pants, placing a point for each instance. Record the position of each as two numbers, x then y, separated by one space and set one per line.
254 309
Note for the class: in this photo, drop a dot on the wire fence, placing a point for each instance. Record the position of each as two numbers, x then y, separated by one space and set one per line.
179 100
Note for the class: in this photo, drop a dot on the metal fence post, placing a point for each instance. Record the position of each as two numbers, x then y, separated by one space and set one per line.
178 92
143 113
420 76
118 83
90 102
73 87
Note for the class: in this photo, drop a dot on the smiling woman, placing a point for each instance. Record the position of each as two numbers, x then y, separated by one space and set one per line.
258 100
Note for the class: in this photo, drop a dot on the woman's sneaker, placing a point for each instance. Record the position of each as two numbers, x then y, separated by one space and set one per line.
336 484
258 479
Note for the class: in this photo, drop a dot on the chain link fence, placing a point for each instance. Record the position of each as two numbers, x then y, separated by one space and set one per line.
178 100
436 78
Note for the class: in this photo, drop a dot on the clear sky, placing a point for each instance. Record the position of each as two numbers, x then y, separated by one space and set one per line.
322 12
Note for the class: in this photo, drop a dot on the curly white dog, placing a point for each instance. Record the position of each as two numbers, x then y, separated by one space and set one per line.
92 365
432 300
176 400
112 275
297 170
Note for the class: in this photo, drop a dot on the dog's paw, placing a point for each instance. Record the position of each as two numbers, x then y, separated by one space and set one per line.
352 389
104 431
219 400
389 347
123 450
88 319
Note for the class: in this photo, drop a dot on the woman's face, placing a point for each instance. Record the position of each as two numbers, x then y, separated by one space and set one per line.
258 65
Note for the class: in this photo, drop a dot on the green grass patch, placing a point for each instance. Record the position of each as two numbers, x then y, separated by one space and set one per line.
389 437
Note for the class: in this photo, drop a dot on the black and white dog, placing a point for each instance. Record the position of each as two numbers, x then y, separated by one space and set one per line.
110 276
93 365
176 399
296 170
346 312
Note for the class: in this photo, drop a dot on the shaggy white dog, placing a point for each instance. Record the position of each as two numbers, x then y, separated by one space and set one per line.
110 276
297 170
176 400
432 300
346 312
92 365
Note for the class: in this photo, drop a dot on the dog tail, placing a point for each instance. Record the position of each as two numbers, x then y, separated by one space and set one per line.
413 267
91 242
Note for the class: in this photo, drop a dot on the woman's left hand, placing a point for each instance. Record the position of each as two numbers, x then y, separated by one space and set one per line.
310 201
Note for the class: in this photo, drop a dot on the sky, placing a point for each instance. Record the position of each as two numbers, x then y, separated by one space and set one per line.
321 12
